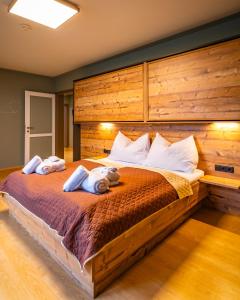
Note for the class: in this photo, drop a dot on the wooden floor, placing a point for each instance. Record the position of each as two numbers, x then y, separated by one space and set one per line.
68 154
200 260
5 172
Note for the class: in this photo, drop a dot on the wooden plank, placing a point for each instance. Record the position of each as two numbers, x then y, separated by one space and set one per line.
114 96
215 146
145 91
142 251
221 181
223 199
120 248
199 85
51 242
121 253
203 84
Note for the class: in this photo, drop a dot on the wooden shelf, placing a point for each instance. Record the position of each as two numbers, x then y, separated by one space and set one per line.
221 181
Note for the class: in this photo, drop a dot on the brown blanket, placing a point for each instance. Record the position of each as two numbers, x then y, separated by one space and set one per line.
85 221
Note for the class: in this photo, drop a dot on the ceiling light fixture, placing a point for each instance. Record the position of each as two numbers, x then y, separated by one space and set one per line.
51 13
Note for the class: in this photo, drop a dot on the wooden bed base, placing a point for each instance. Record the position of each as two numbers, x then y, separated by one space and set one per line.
119 254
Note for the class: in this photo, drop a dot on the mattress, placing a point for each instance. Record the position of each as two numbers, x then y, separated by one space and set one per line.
192 177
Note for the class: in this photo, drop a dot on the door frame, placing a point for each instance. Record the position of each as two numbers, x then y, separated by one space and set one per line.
60 126
67 123
27 134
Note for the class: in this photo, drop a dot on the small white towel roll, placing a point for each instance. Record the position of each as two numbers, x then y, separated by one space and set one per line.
95 183
45 167
53 158
59 165
75 181
31 166
109 172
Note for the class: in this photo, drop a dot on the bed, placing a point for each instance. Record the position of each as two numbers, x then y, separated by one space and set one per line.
90 245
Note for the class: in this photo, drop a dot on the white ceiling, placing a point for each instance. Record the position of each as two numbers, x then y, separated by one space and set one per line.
103 28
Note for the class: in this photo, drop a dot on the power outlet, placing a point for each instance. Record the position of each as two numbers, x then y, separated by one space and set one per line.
107 151
226 169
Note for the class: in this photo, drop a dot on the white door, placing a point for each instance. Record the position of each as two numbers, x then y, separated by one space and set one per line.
39 124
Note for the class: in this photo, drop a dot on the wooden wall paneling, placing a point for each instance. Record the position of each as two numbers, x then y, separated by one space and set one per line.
145 92
203 84
215 146
197 85
223 199
114 96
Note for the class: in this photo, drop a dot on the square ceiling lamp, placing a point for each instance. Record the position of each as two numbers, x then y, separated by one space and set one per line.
51 13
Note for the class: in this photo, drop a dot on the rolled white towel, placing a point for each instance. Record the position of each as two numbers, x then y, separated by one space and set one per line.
76 179
109 172
31 166
53 158
45 167
95 183
59 165
48 166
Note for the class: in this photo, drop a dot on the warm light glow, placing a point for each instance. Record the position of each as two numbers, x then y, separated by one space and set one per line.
226 125
51 13
106 125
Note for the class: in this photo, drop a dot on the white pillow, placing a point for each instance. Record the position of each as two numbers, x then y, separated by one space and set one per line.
124 149
180 156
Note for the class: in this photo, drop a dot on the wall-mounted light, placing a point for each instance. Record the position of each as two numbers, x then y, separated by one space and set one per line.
51 13
227 125
106 125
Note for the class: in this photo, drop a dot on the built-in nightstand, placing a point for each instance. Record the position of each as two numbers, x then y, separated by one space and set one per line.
221 181
223 193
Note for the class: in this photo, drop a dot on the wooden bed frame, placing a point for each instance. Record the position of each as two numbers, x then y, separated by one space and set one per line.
119 254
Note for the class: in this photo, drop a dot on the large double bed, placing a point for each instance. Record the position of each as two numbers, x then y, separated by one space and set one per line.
96 237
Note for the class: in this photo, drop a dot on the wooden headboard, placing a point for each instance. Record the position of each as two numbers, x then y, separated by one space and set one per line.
215 145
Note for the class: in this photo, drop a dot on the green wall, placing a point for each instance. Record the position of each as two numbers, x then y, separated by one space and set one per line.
211 33
12 87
